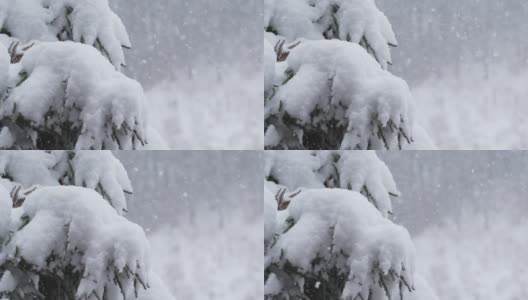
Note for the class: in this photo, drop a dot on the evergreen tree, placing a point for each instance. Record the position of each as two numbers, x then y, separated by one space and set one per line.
63 234
327 229
61 85
326 79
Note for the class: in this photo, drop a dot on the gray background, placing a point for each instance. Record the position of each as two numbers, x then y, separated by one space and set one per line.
172 37
193 188
440 185
436 36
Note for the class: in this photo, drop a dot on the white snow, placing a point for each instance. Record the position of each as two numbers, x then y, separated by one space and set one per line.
104 240
72 224
78 87
353 21
7 140
94 22
5 213
292 19
26 20
4 69
333 79
340 81
293 169
364 170
329 222
269 66
29 168
360 171
101 170
98 170
76 84
7 282
90 21
273 285
270 215
349 78
272 137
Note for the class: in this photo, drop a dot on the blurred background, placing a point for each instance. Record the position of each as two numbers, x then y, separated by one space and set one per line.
437 185
449 35
466 211
199 62
466 64
172 38
202 211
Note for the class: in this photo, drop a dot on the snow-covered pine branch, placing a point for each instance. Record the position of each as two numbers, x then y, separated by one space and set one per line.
64 95
90 22
360 171
61 86
68 243
326 229
338 246
97 170
63 234
326 83
356 21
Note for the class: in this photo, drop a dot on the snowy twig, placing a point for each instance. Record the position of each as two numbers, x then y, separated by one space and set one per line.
284 202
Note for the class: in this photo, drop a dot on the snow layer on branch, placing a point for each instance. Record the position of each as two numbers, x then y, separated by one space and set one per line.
4 69
7 282
86 21
98 240
363 171
293 18
293 169
360 171
98 170
344 83
29 168
26 20
103 172
270 215
5 213
357 21
68 82
329 223
269 67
